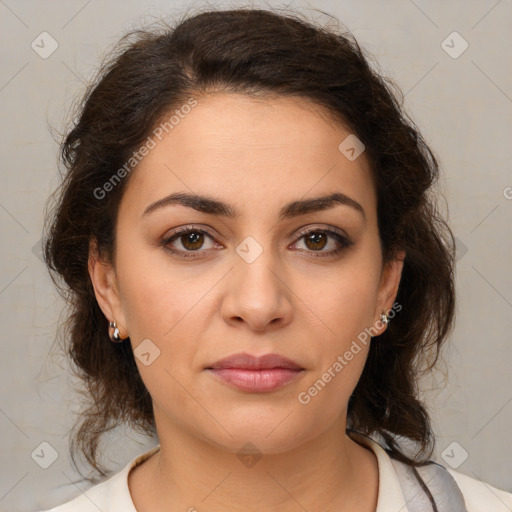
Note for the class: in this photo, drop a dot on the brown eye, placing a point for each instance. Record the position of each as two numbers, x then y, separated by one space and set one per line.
193 240
316 240
187 241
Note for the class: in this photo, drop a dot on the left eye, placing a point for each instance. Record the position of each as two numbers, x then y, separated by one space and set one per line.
193 239
316 240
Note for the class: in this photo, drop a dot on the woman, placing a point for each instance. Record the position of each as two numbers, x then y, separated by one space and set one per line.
258 275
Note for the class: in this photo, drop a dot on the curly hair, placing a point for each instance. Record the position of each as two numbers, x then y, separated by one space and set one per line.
255 52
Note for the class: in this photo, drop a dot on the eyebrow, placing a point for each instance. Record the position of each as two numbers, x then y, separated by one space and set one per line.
215 207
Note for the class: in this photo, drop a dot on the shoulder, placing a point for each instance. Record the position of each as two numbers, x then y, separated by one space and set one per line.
481 496
400 489
99 496
111 495
453 490
93 499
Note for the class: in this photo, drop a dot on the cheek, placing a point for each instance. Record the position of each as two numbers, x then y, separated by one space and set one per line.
340 355
345 305
155 297
346 302
164 306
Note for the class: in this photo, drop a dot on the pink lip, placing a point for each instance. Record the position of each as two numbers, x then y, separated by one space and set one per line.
256 374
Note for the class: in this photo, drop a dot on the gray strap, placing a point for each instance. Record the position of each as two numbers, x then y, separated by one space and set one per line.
442 486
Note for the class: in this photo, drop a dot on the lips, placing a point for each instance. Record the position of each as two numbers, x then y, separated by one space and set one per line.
249 362
256 374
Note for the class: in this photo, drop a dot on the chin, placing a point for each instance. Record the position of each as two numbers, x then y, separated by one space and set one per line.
261 432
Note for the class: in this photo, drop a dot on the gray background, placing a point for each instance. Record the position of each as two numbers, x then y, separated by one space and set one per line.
463 106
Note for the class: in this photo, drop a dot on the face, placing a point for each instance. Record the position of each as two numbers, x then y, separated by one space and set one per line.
267 272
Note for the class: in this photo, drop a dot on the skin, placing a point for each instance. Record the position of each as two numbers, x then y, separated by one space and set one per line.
257 154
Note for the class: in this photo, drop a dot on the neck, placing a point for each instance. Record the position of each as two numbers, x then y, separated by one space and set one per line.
329 472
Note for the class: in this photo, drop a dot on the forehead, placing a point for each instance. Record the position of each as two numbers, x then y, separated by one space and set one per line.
253 150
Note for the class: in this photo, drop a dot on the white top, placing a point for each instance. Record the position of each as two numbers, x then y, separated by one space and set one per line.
113 494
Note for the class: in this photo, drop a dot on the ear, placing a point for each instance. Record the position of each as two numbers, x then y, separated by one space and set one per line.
388 289
104 282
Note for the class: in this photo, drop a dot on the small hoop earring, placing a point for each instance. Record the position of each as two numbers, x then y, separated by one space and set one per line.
116 336
384 318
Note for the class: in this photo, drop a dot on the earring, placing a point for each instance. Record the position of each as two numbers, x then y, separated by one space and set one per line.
115 337
384 318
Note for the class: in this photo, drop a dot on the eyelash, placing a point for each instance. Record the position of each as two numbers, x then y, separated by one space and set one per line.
342 239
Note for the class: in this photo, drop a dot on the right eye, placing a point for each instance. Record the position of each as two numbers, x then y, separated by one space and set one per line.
190 238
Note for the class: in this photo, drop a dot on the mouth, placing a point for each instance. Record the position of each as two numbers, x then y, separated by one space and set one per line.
256 374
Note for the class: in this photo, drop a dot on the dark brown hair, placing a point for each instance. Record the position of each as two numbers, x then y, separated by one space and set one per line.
255 52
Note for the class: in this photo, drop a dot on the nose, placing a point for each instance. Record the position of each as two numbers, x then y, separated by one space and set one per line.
258 295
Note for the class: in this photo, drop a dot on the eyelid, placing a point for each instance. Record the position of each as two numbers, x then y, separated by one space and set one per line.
301 231
190 227
175 233
309 229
